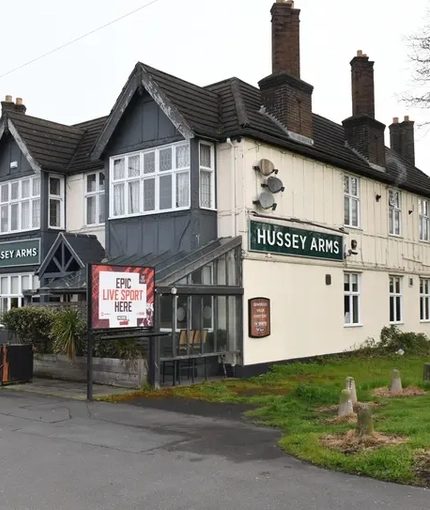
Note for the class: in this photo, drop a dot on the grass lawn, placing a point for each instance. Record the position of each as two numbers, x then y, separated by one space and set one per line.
291 397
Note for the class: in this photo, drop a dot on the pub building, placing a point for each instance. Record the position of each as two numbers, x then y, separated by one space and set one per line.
275 233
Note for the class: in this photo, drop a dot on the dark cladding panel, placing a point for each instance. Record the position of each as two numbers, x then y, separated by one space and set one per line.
11 153
142 122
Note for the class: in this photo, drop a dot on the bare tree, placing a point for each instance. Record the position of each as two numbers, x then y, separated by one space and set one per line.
419 55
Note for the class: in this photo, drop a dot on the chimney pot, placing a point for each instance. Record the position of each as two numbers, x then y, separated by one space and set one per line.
359 53
406 118
18 100
8 99
395 120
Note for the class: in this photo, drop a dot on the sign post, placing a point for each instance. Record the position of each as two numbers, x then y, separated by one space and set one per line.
118 298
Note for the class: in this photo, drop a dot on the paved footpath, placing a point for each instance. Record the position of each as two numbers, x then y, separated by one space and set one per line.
68 455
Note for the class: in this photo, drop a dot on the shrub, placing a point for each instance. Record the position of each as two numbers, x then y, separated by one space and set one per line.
31 325
117 349
393 341
68 333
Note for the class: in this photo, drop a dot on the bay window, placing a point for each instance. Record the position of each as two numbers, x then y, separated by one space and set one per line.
20 205
151 181
95 198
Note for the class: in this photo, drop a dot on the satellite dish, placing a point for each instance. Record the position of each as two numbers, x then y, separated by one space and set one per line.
265 167
274 185
266 200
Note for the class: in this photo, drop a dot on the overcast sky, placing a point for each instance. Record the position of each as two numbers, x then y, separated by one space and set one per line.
203 42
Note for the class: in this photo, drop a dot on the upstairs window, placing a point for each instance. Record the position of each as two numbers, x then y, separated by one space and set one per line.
395 212
20 205
151 181
424 300
351 201
423 208
207 176
95 198
56 202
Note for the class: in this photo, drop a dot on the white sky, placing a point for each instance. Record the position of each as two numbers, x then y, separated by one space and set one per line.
203 42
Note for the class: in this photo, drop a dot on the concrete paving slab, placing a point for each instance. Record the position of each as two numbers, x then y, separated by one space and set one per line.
66 389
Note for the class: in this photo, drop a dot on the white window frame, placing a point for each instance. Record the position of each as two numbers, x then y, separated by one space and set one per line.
209 170
7 297
394 209
394 295
98 194
59 198
142 177
350 295
34 222
424 219
424 299
350 199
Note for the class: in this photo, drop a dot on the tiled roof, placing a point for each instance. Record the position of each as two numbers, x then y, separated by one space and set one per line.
224 109
58 147
81 159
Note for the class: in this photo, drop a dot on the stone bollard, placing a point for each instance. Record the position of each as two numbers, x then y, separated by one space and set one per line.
350 385
396 383
364 421
345 404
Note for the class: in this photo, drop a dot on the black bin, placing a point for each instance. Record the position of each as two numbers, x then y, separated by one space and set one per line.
17 363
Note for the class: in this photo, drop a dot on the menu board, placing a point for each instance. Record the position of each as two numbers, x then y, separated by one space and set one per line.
259 317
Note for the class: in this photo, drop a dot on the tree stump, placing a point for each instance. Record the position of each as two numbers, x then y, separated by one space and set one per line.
426 372
364 421
345 404
350 385
396 383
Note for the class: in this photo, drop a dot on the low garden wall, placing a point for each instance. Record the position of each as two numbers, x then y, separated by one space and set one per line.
113 372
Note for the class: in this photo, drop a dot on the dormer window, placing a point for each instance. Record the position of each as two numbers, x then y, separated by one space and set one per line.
151 181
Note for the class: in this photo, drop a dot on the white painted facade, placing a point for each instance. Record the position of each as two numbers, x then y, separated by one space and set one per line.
76 207
307 314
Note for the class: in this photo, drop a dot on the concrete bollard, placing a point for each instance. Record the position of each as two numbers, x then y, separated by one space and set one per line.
396 383
364 421
350 385
345 404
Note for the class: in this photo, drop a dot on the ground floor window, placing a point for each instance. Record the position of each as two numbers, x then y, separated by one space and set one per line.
396 300
12 287
351 299
424 299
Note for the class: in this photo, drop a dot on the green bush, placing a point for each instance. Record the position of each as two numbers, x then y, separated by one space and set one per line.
31 325
393 341
68 333
117 349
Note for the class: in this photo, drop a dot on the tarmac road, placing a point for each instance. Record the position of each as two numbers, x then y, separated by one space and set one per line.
67 455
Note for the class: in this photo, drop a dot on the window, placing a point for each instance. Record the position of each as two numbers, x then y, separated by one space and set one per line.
207 176
151 181
351 299
20 205
95 198
396 300
395 212
12 288
424 300
423 209
351 201
56 202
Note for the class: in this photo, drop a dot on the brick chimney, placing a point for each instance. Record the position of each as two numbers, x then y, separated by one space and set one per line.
402 139
19 106
362 131
7 105
285 96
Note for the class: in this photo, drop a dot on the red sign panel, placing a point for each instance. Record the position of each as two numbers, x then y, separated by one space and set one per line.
259 317
121 296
